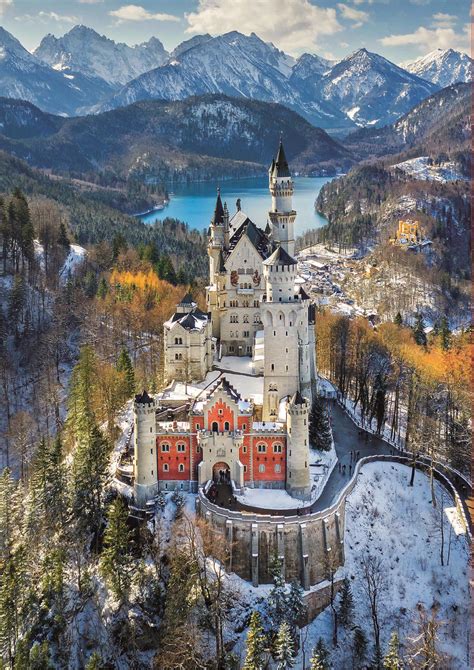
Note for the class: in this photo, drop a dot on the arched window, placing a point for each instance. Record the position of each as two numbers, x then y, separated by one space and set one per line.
181 447
226 425
181 467
166 467
277 448
277 467
234 318
262 448
215 427
261 468
246 318
165 447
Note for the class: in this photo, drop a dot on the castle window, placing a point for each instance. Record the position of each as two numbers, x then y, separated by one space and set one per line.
181 447
151 429
215 427
178 340
151 451
255 303
244 449
231 348
246 333
234 318
220 412
261 468
152 472
246 318
277 448
273 367
245 468
226 425
166 467
261 448
181 467
165 447
277 467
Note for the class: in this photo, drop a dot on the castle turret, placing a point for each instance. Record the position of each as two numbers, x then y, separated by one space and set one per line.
298 480
217 234
145 461
282 215
281 311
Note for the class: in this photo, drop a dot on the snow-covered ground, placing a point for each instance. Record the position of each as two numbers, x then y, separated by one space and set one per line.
419 168
269 498
76 256
388 519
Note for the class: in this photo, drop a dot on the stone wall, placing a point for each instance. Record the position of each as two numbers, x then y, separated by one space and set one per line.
305 544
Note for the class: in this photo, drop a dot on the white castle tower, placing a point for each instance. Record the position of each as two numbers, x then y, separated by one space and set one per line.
145 461
282 215
298 481
287 357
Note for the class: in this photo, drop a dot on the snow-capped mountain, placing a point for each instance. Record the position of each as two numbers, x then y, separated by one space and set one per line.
189 44
24 76
443 67
236 65
371 90
84 50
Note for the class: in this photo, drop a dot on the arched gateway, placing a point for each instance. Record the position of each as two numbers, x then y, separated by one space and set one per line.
221 473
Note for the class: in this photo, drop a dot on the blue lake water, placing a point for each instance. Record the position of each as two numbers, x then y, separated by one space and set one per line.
194 203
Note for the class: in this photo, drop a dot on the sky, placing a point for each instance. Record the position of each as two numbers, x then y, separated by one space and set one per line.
400 30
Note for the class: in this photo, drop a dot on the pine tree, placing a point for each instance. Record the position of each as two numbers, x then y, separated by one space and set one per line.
255 653
285 648
296 608
445 334
278 597
125 365
39 657
346 605
16 302
63 237
116 558
103 288
94 662
359 645
419 331
398 321
392 660
320 657
320 434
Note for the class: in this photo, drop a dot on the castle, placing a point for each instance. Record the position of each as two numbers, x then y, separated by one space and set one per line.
256 309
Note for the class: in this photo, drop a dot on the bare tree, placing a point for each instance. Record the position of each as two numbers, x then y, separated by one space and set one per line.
423 653
21 436
375 586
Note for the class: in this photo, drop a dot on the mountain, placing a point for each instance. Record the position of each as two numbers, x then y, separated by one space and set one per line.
235 65
200 137
189 44
83 50
443 67
24 76
371 90
441 122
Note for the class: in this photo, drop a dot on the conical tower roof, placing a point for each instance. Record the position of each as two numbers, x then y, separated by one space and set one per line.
281 168
280 257
218 217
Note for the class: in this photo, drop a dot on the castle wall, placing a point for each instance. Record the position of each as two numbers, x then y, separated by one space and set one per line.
305 544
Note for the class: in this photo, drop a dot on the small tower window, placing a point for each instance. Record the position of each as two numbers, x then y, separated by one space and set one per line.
181 467
166 467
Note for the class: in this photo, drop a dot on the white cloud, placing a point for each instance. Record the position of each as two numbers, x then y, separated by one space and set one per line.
137 13
60 18
441 20
293 25
352 14
427 39
5 4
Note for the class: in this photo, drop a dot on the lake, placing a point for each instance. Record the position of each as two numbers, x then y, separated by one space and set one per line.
194 203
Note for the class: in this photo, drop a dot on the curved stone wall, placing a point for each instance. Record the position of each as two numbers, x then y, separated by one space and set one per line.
310 546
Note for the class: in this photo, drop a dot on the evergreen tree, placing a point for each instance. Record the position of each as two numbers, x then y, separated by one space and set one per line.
392 660
125 365
39 657
116 559
445 334
285 648
255 653
320 657
296 608
16 302
63 237
320 434
346 605
419 331
103 288
94 662
277 601
119 244
398 319
359 645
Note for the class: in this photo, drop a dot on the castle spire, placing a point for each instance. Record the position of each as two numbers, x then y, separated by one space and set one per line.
281 168
218 217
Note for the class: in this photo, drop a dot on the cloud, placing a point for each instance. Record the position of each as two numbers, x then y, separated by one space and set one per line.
293 25
441 20
353 14
4 5
60 18
137 13
429 39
